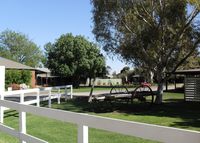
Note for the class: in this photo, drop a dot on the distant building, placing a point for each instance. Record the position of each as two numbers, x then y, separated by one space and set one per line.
44 77
105 82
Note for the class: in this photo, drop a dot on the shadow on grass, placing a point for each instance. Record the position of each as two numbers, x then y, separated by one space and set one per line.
11 113
174 107
189 112
177 90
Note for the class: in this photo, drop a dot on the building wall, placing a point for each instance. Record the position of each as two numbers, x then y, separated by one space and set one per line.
33 79
106 82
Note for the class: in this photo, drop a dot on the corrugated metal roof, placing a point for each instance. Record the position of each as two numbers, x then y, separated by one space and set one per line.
189 71
9 64
43 70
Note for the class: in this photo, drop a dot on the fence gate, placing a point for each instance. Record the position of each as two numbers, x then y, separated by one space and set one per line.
192 89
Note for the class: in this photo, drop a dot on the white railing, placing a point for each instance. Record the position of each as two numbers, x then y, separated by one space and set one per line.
55 92
21 95
37 93
142 130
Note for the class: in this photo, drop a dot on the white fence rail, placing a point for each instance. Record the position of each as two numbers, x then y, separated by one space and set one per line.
57 92
37 93
146 131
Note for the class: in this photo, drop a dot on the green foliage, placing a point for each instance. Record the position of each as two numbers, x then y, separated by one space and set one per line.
156 35
17 77
18 47
74 56
159 35
192 62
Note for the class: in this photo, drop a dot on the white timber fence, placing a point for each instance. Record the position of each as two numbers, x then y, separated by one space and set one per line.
52 92
56 92
83 121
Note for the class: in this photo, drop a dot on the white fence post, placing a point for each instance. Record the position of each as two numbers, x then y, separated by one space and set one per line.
82 134
1 109
71 91
22 118
59 95
49 102
66 93
2 89
38 98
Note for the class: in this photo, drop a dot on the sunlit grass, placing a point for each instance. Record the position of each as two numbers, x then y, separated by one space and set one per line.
174 113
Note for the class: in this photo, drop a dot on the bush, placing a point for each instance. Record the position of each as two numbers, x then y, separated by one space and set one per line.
17 77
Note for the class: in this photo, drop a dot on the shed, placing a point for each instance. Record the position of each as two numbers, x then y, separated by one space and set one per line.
191 84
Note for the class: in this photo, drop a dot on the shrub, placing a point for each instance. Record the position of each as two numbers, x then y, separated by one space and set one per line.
17 77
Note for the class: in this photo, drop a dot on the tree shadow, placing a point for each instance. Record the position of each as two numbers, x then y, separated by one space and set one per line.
177 90
11 113
189 112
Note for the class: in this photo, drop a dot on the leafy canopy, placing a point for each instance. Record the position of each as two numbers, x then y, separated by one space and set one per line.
74 56
17 46
159 35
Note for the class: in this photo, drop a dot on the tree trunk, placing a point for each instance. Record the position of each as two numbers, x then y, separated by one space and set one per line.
160 80
159 97
150 76
90 81
91 91
76 81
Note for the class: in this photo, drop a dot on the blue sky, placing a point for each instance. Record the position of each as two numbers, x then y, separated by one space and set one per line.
45 20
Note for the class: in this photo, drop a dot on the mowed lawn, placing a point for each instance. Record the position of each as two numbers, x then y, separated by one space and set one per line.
174 113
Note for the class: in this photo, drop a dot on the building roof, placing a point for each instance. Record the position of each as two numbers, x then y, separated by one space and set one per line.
9 64
43 70
45 75
189 71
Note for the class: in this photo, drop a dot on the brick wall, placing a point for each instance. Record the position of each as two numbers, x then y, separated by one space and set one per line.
33 79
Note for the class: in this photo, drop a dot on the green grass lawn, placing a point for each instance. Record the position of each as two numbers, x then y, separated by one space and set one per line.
87 89
174 113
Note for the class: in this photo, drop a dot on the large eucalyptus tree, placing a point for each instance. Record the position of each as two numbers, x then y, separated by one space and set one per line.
157 34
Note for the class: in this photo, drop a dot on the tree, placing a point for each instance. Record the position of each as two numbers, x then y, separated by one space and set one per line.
125 69
192 62
74 57
17 46
124 74
159 35
108 70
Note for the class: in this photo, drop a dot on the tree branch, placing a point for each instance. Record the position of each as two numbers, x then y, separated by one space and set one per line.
185 58
181 32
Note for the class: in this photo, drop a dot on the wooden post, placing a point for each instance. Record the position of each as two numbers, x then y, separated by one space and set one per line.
82 134
22 118
166 84
175 82
2 89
